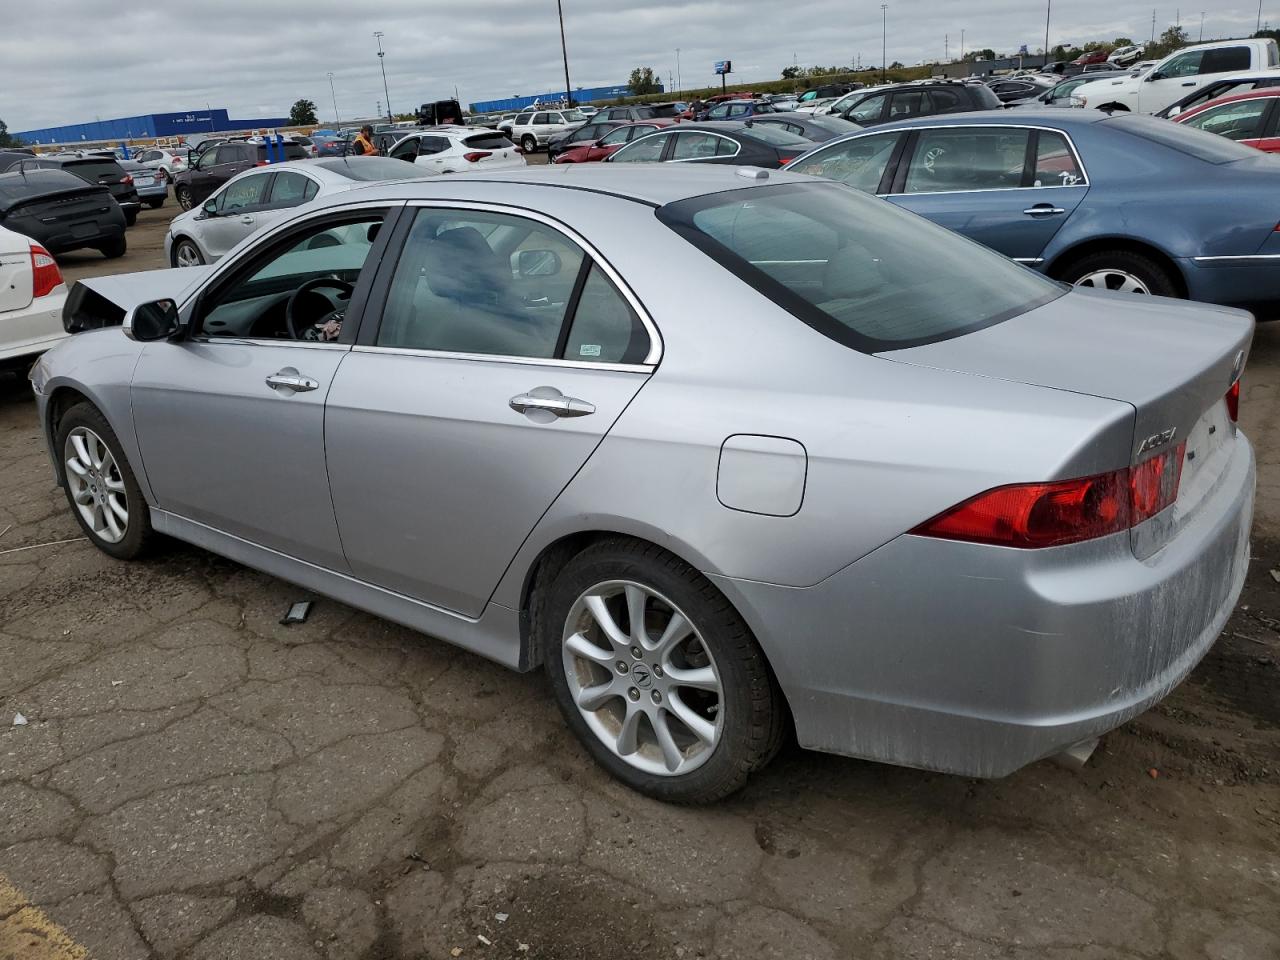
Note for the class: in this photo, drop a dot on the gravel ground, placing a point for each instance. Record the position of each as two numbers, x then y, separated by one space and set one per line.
196 780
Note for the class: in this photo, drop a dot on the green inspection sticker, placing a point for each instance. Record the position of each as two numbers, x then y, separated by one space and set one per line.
589 350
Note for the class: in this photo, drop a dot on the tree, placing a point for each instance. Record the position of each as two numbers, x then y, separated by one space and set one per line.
1267 34
897 65
1172 39
790 73
302 113
6 140
1122 42
987 54
642 81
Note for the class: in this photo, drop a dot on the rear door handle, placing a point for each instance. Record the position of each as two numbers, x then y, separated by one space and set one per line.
560 406
247 218
1043 210
290 382
1189 83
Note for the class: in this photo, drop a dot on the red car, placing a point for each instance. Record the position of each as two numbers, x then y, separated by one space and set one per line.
614 140
1097 56
1249 118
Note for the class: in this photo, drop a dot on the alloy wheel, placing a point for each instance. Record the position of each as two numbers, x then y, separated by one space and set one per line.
186 255
96 485
1115 280
642 678
183 196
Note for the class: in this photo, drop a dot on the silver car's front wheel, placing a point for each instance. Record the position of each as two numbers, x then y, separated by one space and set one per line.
96 486
186 254
1117 281
642 678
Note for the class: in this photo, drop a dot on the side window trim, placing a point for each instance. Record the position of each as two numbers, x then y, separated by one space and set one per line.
372 306
903 159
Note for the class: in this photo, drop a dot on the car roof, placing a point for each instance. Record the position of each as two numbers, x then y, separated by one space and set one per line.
1262 93
1024 116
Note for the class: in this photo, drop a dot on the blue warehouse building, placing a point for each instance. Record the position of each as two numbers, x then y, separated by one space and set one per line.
147 127
579 96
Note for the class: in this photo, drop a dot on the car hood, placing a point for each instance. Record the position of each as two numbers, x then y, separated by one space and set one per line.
104 301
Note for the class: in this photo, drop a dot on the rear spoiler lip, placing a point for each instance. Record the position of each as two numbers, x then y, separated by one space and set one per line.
87 189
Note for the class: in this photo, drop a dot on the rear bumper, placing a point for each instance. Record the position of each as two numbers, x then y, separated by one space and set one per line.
1252 283
40 323
160 189
978 660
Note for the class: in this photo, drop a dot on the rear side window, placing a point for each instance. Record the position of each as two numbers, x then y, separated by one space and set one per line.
849 265
778 137
1056 164
542 118
945 101
909 103
432 145
1225 59
487 141
291 189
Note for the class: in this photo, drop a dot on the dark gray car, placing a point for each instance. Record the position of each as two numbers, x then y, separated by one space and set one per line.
61 212
807 125
98 170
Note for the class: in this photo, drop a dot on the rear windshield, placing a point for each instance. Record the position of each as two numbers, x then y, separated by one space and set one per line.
664 110
857 269
292 151
17 187
95 170
370 168
777 136
1208 147
487 141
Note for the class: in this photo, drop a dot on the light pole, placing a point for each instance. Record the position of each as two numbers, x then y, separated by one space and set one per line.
337 124
564 52
1201 26
884 43
679 80
1048 9
1259 15
378 35
961 44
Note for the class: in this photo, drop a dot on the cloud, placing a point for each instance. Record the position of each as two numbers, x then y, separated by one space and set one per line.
71 61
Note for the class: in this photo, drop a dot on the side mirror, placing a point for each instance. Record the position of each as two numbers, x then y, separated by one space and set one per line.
1155 75
1174 111
538 263
210 208
157 320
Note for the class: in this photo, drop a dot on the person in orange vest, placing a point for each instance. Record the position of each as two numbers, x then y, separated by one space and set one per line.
362 145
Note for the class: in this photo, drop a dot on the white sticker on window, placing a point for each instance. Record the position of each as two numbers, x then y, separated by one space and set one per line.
589 350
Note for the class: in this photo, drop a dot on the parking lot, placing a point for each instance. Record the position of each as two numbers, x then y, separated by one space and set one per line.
195 779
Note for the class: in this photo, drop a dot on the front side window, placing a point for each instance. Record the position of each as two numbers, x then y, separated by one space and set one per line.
860 162
405 150
500 285
719 113
617 138
967 159
243 193
868 111
297 290
1241 120
645 150
849 265
1184 65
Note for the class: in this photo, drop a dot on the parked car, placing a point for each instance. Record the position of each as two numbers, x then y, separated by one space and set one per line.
62 212
457 150
641 111
384 141
534 128
1127 55
330 145
31 298
836 107
1093 56
1059 95
262 197
99 171
736 110
722 141
1249 118
1084 197
166 160
905 100
828 91
505 122
218 164
1236 83
611 142
1174 76
917 517
150 183
1020 89
815 127
1057 67
588 111
587 134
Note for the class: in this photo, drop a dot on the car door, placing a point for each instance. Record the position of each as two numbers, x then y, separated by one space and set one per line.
648 149
464 411
610 142
1010 188
1269 141
236 208
701 146
865 163
1245 121
230 419
289 190
1192 68
432 153
406 149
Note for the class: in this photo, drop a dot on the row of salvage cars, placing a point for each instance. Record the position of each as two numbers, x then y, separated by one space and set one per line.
855 476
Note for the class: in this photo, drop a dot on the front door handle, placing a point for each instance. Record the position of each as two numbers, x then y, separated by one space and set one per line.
1043 210
1189 83
553 402
247 218
289 382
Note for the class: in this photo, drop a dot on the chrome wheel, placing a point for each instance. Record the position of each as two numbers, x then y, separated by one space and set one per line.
183 196
643 679
186 255
96 485
1115 280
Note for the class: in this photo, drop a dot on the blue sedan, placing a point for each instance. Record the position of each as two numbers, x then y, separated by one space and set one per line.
1122 202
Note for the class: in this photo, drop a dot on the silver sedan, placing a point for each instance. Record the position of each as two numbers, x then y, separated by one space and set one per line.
851 474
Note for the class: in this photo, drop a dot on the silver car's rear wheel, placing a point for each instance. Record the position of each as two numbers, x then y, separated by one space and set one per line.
1115 280
96 485
642 678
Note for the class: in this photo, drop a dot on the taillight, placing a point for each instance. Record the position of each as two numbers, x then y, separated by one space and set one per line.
476 156
45 275
261 163
128 178
1033 515
1233 402
785 160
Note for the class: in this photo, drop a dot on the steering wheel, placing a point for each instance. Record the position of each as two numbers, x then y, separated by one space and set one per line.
311 331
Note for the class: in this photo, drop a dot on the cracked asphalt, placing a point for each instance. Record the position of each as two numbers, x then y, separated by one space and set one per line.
197 781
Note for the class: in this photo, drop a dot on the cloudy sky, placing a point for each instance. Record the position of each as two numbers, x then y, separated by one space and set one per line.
69 61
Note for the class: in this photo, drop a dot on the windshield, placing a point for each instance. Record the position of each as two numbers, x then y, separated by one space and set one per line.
1208 147
857 269
95 171
370 168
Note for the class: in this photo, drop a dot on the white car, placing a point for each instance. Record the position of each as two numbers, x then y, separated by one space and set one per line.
533 129
262 196
1124 56
166 160
457 150
31 298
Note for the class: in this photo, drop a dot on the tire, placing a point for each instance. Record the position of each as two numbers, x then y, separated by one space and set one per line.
83 435
529 144
182 193
739 710
168 177
115 248
1122 271
130 217
186 249
155 203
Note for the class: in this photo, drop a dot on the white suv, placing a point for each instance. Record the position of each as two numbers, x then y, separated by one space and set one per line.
532 129
457 150
166 160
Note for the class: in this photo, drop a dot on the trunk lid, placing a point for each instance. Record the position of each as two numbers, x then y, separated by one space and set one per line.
1172 361
15 271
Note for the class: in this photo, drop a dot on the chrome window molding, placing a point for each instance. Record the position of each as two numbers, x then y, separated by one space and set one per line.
737 148
271 342
644 368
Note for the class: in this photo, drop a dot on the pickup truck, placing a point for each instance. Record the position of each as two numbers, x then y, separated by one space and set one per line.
1175 76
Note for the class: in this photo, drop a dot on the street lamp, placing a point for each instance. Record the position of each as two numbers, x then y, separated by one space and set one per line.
564 51
1048 8
337 124
884 43
1201 26
378 34
679 80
